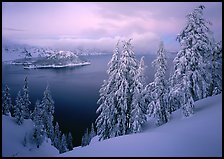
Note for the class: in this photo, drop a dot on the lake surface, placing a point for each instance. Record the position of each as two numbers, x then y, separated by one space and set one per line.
75 91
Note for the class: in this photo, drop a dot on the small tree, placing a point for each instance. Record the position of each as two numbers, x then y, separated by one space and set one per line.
39 132
48 105
69 142
92 132
85 138
57 136
6 102
63 146
26 101
19 109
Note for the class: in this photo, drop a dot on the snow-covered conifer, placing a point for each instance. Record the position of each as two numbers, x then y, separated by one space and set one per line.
26 101
48 105
63 145
39 132
160 94
106 118
85 138
187 101
216 70
92 132
57 136
138 113
6 101
125 92
69 141
19 109
193 58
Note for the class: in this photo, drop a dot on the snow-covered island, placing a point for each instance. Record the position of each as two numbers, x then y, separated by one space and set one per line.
31 58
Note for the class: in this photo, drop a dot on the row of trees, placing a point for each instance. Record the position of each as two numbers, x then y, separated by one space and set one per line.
42 117
125 99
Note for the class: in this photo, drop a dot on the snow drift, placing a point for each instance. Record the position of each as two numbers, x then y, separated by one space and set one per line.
199 135
13 137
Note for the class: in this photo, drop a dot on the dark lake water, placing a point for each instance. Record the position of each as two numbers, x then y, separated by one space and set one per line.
75 91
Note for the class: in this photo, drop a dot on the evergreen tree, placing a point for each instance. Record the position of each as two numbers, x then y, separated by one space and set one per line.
57 136
148 98
138 113
128 71
69 142
26 101
63 145
216 70
19 109
107 101
48 105
92 132
116 94
85 138
193 59
39 132
160 94
187 101
6 102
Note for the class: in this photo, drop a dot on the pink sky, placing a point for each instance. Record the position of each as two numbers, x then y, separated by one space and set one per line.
100 25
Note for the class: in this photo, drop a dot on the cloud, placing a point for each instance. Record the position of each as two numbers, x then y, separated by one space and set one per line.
143 43
13 29
98 25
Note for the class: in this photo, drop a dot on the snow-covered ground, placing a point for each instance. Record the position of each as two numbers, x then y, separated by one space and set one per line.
13 137
199 135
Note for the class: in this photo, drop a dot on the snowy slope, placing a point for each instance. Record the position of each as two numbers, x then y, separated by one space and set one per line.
13 136
199 135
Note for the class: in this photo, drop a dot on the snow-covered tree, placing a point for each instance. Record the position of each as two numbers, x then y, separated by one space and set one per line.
6 101
107 101
57 136
19 109
216 70
26 101
48 105
138 113
160 94
92 132
69 141
128 70
39 132
85 138
187 101
63 145
116 94
193 58
148 98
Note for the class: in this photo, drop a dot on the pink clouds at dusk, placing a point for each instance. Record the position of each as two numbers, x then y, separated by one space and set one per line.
100 25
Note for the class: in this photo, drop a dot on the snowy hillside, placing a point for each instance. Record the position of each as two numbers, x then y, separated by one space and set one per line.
13 137
199 135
